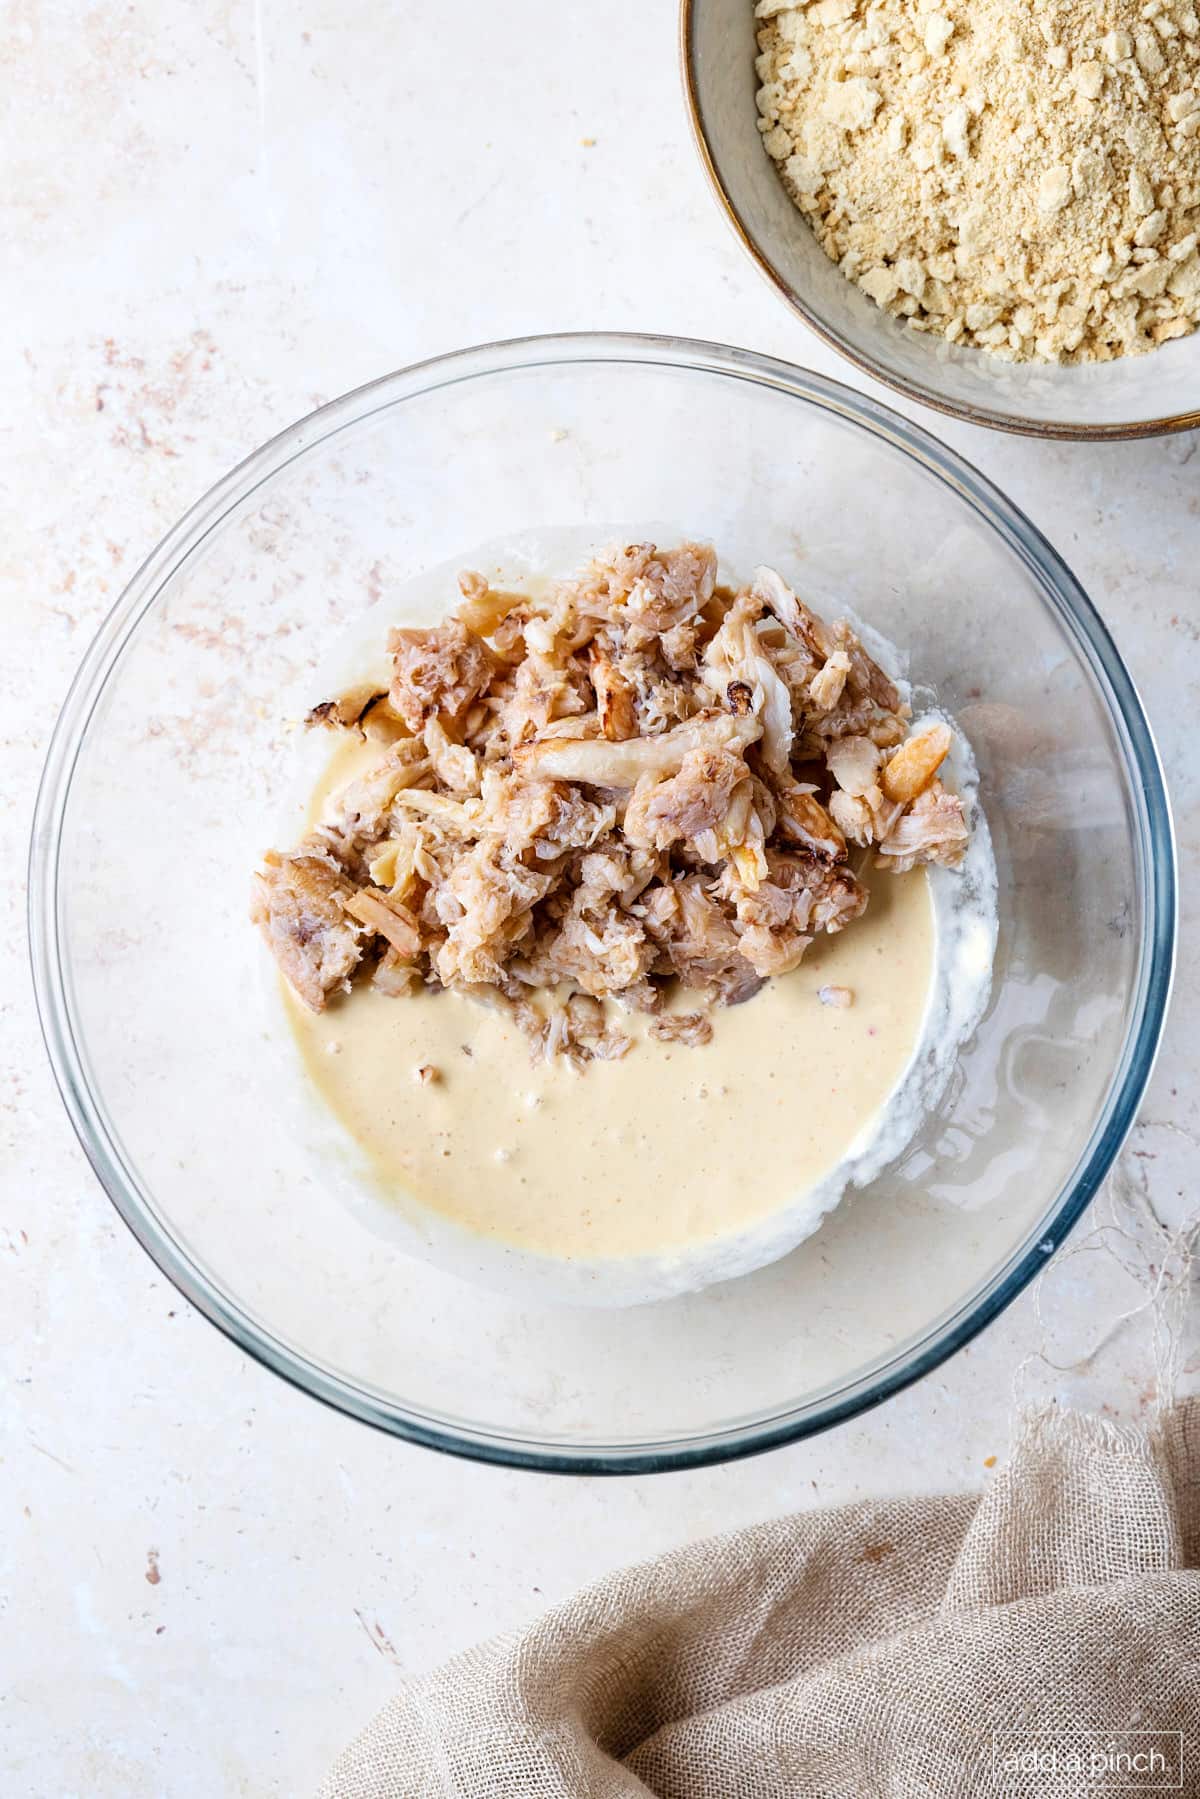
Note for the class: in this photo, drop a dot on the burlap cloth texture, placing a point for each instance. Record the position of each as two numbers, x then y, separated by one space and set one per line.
873 1649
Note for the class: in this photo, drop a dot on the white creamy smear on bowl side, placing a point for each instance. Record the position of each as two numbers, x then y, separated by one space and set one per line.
673 1167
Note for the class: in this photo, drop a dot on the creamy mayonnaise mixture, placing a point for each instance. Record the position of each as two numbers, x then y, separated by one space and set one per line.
674 1166
666 1148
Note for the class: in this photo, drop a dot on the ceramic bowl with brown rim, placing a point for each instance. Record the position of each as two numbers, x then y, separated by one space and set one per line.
1134 396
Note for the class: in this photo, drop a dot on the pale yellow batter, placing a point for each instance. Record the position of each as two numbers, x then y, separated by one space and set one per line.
669 1147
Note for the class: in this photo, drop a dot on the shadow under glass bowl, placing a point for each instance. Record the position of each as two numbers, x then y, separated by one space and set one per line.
1134 396
164 783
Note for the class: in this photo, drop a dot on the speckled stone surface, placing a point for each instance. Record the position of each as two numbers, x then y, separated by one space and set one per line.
215 216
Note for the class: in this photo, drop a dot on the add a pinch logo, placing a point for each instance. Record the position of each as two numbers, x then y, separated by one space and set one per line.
1144 1761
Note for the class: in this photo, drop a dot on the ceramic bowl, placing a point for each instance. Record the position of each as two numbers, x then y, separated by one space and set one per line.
1135 396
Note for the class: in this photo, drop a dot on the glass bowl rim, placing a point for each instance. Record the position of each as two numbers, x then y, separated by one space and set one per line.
1061 430
1059 590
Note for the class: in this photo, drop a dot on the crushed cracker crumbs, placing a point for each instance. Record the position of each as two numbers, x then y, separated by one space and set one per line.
1020 176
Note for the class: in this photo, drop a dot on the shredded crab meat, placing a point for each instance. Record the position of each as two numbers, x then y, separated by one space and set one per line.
301 904
601 764
643 779
737 668
692 1028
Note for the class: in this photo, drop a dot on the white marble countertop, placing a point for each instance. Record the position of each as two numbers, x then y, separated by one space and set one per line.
216 215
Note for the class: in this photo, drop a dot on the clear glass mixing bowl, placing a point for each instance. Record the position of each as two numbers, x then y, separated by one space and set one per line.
164 782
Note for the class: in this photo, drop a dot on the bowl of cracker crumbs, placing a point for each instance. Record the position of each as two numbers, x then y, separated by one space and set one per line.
994 208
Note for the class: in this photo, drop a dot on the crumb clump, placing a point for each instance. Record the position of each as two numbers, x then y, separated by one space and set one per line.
644 780
1021 176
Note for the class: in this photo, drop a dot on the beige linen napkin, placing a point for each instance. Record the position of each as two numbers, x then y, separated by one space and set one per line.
913 1647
